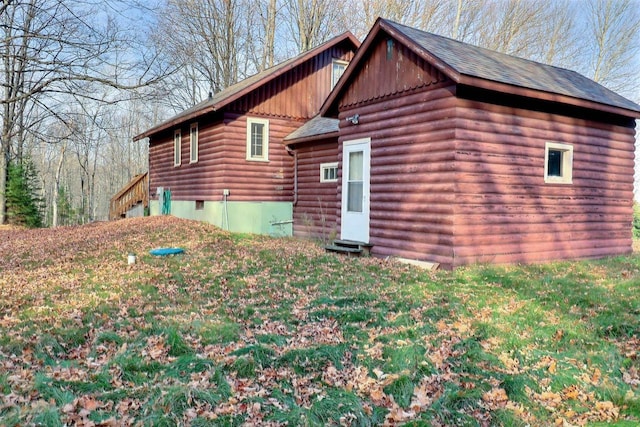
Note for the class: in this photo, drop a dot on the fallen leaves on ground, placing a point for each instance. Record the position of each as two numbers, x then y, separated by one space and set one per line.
249 330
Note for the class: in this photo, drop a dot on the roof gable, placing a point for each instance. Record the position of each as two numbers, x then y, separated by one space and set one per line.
242 88
479 67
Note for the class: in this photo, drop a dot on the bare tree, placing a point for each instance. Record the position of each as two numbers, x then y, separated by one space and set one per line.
202 37
312 21
50 48
613 37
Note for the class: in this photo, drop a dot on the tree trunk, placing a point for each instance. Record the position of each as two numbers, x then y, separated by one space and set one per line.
56 188
3 183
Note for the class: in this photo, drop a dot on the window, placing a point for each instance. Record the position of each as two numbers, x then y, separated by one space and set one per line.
177 147
558 163
193 143
337 71
257 139
329 172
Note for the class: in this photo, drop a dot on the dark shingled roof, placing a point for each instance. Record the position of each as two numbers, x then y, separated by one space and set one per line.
315 128
473 61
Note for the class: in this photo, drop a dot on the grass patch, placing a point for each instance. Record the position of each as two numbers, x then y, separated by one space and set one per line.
245 329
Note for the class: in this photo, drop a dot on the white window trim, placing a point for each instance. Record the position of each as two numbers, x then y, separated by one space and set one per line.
324 166
265 142
193 143
177 147
334 81
567 163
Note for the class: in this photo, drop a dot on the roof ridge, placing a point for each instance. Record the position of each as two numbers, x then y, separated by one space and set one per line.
475 46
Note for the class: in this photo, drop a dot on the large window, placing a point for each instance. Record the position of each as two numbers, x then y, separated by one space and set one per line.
337 71
193 143
558 163
177 147
329 172
257 139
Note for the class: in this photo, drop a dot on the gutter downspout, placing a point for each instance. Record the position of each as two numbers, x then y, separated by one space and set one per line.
294 154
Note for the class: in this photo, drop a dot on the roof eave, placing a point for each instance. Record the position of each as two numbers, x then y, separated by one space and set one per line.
176 121
546 96
313 138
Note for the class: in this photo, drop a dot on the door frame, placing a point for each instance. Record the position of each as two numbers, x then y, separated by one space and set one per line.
362 219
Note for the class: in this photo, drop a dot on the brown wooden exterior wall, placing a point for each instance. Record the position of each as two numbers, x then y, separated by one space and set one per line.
384 75
315 213
295 95
506 213
298 93
407 109
412 176
258 181
222 163
458 181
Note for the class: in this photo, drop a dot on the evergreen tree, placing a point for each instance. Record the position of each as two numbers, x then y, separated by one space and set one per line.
23 202
66 212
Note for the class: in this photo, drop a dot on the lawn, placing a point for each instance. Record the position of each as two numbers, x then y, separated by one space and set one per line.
249 330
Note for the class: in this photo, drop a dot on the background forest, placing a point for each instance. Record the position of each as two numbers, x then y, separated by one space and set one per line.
80 78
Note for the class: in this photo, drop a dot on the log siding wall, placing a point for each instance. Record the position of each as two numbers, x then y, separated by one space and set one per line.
189 181
315 213
285 101
222 163
412 172
506 213
247 180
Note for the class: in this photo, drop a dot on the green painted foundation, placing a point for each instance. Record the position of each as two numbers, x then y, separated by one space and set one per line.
271 218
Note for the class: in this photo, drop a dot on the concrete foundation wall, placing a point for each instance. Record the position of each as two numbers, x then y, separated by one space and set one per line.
271 218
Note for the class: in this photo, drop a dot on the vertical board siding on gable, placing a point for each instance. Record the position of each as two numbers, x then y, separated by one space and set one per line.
315 213
505 212
189 181
270 181
380 77
298 93
412 172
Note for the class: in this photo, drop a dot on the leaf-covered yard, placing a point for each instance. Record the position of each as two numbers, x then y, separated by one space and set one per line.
249 330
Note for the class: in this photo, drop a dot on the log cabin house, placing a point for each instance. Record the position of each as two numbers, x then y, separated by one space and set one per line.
436 150
223 161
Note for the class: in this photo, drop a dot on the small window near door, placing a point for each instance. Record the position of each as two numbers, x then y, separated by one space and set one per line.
337 71
558 163
329 172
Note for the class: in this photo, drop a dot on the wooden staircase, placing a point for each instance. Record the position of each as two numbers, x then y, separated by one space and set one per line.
135 192
349 248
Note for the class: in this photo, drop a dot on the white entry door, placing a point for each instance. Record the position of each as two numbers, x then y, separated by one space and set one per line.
356 163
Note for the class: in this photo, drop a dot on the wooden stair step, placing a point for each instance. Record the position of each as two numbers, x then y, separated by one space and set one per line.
344 250
350 247
347 243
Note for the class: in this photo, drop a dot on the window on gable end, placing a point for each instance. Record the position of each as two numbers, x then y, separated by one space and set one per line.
337 70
